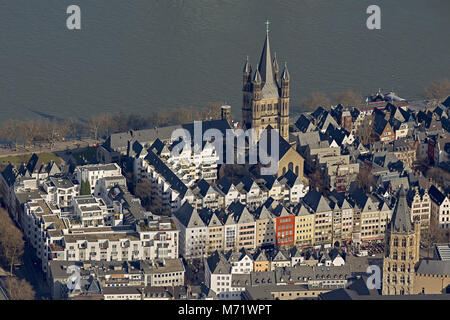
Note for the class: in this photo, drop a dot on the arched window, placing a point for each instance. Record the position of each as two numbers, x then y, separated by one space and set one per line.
411 257
284 170
395 255
403 242
402 279
411 242
395 242
296 170
387 279
403 256
402 267
394 267
291 166
394 279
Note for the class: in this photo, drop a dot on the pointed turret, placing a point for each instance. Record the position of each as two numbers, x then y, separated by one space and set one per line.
257 77
247 72
276 68
401 220
285 74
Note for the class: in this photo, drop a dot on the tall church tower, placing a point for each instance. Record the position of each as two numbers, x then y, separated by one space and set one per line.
265 94
402 250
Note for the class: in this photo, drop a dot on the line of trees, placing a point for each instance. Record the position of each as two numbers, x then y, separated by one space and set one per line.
50 131
320 99
12 247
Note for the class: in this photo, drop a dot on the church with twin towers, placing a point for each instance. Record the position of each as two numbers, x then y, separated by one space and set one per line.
266 94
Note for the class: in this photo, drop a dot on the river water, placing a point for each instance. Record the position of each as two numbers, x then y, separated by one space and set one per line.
145 55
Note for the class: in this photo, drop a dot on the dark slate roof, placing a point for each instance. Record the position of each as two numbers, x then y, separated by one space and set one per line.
224 185
247 182
436 195
316 201
401 219
218 264
9 175
157 146
318 112
379 124
166 173
288 178
447 102
203 187
434 267
303 123
283 145
269 181
189 217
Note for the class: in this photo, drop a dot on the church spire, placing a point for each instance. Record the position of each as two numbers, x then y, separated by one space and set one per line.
265 62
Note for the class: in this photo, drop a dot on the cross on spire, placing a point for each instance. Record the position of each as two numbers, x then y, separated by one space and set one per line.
267 23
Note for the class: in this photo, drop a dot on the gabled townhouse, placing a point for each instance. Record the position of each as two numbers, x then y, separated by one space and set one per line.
284 226
304 226
250 193
228 191
203 195
343 221
218 277
193 232
214 230
265 227
373 215
420 202
440 208
280 259
293 187
383 129
323 217
245 226
261 262
241 261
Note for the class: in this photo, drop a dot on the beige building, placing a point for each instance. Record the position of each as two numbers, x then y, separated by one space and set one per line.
266 94
402 250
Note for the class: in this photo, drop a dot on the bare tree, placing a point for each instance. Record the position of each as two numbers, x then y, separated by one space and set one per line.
364 133
94 125
438 90
317 99
366 180
347 98
317 181
143 192
11 241
19 289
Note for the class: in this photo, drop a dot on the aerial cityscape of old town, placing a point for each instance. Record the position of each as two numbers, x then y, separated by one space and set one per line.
122 207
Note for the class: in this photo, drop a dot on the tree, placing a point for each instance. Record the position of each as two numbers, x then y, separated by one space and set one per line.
364 133
143 192
212 111
94 124
317 99
85 188
348 98
438 90
366 180
317 181
11 241
18 289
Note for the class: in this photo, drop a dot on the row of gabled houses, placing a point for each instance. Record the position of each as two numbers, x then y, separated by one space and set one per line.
316 220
